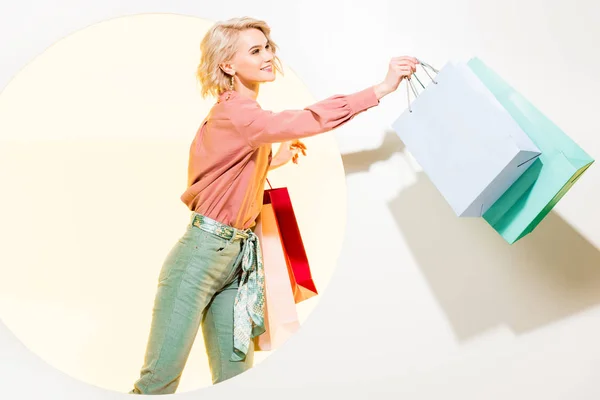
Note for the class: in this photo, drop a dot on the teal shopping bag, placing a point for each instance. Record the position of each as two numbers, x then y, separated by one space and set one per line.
525 204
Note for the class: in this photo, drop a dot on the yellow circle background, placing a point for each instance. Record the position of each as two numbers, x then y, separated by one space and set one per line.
94 142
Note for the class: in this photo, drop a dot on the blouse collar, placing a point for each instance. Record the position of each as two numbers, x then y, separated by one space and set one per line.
226 95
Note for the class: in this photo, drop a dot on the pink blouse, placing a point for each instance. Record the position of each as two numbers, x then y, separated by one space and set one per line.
230 156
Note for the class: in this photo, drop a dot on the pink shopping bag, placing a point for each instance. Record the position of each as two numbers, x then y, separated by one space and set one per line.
281 316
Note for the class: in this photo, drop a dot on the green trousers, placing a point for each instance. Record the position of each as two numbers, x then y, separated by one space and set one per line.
197 286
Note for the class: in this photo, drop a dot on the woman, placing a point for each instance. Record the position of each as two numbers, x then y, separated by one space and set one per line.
213 276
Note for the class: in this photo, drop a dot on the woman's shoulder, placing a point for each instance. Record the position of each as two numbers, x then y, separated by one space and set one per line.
235 107
233 98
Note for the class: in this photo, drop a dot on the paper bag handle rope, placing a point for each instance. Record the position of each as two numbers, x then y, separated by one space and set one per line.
411 86
270 187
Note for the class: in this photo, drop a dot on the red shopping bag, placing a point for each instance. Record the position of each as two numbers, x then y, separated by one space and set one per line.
281 316
301 279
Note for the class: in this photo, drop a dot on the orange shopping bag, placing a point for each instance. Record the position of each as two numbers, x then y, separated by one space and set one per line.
281 316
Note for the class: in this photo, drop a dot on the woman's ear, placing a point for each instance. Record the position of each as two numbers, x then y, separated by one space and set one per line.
227 68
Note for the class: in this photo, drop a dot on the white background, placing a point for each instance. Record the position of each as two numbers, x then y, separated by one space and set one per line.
423 305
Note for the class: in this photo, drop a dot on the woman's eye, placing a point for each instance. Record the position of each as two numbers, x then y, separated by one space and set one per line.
255 52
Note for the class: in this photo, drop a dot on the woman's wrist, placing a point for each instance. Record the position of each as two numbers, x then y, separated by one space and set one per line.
381 90
281 157
279 162
281 151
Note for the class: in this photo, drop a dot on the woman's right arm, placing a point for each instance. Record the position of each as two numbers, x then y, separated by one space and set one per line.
262 127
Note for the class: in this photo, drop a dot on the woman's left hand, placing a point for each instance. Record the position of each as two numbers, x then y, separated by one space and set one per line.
296 147
288 151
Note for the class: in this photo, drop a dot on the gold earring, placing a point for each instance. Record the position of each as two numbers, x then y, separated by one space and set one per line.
231 83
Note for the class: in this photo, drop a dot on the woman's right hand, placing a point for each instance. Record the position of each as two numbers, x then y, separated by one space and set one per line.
399 68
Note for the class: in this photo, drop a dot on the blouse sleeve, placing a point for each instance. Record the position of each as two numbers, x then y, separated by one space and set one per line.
262 127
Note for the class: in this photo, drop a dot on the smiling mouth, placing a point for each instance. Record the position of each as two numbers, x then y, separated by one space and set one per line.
269 69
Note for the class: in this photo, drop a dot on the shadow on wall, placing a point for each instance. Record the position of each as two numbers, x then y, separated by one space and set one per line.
478 279
362 160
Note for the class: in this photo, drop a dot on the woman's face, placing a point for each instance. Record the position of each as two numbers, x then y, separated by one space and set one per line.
253 60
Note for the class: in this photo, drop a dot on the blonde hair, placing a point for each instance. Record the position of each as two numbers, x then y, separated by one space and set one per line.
219 46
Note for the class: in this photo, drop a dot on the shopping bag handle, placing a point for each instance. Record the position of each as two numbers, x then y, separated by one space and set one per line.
411 86
271 187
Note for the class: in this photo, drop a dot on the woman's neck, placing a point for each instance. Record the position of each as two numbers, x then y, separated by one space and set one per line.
247 90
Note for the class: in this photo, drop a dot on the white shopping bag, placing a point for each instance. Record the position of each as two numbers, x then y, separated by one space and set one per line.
466 142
